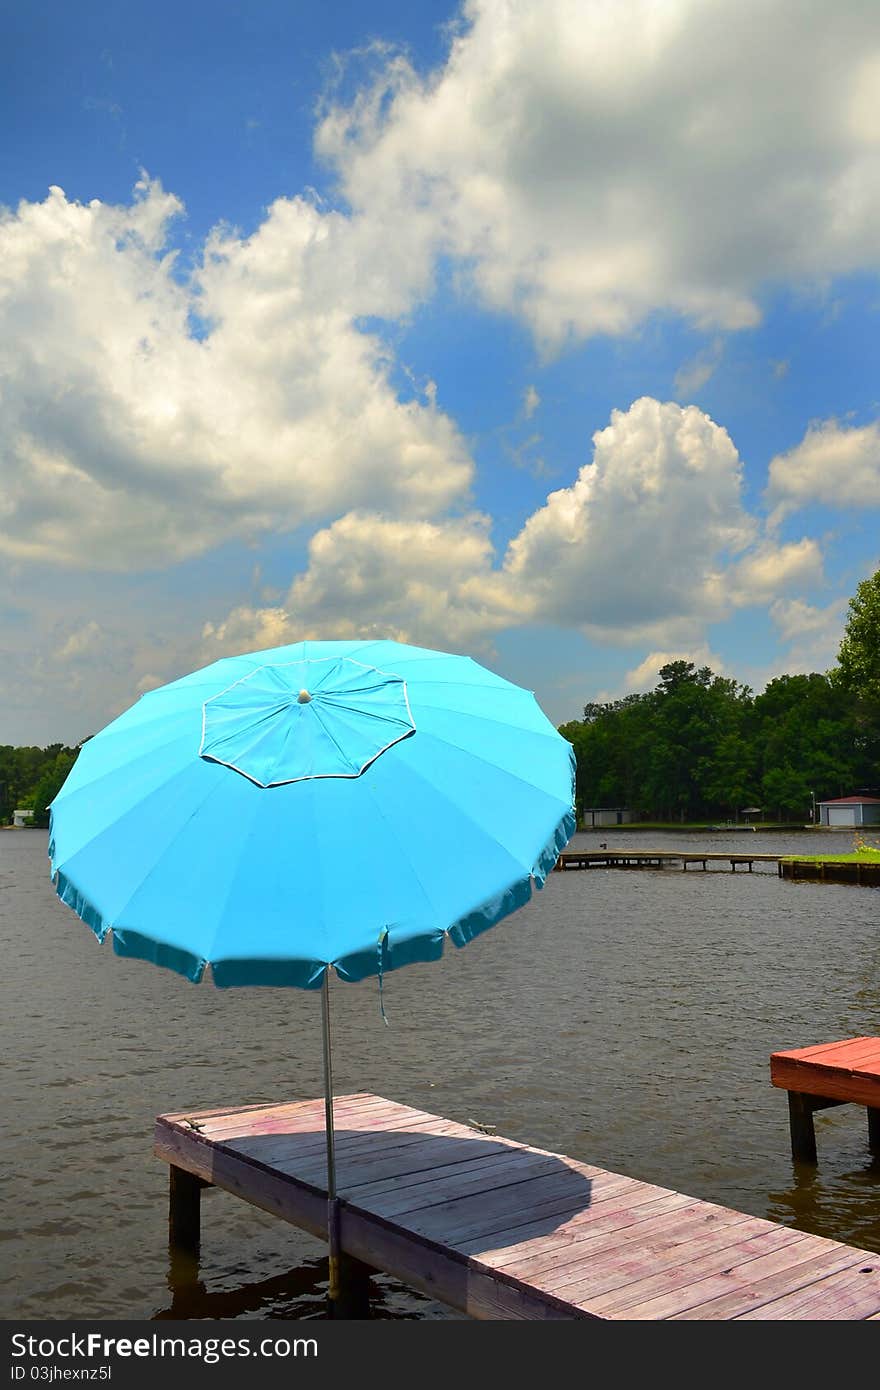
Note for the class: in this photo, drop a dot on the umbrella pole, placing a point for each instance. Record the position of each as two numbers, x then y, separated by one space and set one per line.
332 1200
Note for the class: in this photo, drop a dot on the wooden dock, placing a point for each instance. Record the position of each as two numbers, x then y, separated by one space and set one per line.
826 871
656 859
836 1073
502 1230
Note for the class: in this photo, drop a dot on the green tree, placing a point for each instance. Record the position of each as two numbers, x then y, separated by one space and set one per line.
29 777
50 784
700 745
806 742
859 655
858 673
679 751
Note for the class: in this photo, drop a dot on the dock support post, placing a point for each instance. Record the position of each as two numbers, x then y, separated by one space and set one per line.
352 1299
184 1193
803 1133
874 1129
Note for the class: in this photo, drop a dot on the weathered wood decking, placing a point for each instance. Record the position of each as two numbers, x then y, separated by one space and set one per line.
501 1230
836 1073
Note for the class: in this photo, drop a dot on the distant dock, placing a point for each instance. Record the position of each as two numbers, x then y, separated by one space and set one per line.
657 859
828 870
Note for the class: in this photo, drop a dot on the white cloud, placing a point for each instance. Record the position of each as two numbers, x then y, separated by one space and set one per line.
591 163
769 569
795 617
834 463
694 374
649 543
646 675
372 576
813 634
129 441
531 401
84 642
149 681
634 546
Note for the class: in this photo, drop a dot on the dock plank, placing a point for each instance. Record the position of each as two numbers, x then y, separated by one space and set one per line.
844 1295
649 1285
568 1244
756 1293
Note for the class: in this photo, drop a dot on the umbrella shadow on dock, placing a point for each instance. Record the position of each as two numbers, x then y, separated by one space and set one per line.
446 1195
443 1186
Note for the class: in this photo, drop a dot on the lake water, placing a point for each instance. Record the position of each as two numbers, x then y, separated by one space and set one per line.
623 1018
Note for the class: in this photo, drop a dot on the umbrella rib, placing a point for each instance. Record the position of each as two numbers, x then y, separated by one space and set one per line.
483 831
428 654
404 850
148 753
258 804
496 767
172 844
520 730
178 771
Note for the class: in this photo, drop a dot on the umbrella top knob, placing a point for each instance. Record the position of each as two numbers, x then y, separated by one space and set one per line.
303 698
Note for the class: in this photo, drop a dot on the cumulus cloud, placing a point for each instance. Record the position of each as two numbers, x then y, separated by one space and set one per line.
646 675
635 544
769 569
813 634
372 576
834 463
84 643
592 163
587 164
649 543
132 439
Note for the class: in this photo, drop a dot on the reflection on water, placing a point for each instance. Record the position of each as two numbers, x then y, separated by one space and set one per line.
624 1018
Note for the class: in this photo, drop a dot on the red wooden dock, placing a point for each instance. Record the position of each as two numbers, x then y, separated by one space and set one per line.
836 1073
502 1230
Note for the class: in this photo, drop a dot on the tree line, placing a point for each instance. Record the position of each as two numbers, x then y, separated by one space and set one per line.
30 777
702 746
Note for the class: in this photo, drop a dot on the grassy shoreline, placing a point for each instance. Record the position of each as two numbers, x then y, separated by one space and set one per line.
862 856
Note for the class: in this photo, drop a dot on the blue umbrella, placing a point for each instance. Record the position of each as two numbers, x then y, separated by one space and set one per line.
351 804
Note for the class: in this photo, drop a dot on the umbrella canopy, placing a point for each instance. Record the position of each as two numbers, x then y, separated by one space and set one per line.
344 803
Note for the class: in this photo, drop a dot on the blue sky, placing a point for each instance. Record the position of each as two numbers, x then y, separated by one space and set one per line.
538 329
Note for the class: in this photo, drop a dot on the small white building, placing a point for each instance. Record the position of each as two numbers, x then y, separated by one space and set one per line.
20 818
594 816
850 811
